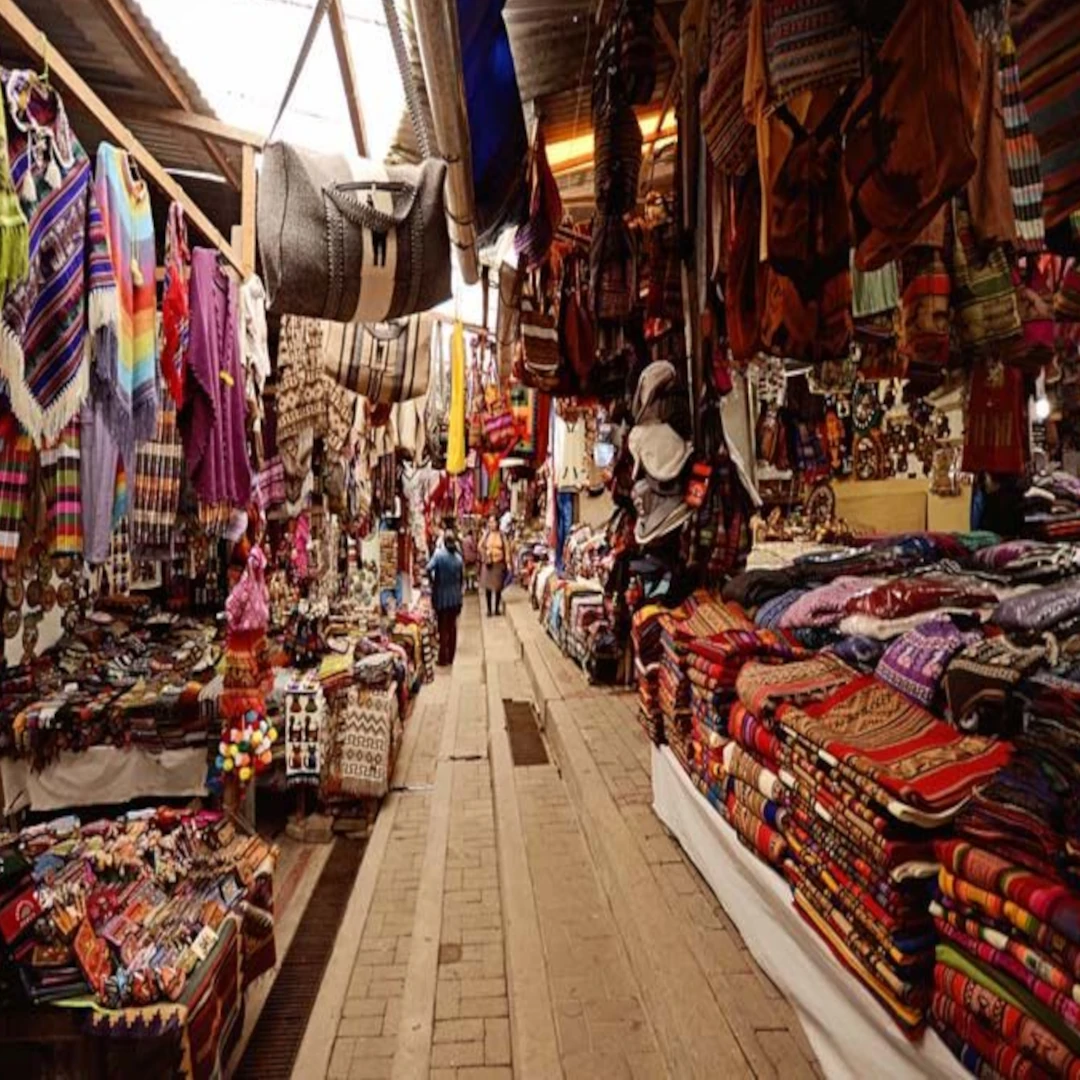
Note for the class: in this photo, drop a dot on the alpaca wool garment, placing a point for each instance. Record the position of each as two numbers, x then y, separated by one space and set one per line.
212 420
68 298
125 384
175 309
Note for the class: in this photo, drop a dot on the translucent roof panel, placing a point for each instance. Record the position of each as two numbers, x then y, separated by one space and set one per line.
241 54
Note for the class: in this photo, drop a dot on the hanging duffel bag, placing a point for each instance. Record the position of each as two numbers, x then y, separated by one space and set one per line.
351 240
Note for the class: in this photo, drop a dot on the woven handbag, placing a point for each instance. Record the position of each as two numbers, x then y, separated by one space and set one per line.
386 362
540 364
349 239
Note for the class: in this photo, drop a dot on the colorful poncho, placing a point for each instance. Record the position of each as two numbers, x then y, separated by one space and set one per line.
51 317
125 380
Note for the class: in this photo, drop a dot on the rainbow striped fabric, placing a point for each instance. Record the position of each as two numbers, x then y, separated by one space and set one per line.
126 383
50 318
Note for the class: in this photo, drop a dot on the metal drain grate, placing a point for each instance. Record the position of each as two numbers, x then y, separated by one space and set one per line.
523 728
276 1039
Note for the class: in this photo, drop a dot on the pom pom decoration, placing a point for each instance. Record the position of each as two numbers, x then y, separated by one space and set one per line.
245 751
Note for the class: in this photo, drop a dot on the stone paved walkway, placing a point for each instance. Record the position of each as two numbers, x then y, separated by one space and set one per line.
537 921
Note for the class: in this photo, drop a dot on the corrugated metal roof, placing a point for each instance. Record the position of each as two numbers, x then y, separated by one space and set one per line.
554 44
85 34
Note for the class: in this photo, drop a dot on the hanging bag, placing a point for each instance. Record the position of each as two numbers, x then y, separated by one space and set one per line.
577 336
387 362
539 344
349 239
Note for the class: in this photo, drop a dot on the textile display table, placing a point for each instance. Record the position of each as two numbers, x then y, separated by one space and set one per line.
851 1035
102 775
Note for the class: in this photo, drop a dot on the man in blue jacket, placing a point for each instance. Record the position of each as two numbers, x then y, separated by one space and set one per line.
447 570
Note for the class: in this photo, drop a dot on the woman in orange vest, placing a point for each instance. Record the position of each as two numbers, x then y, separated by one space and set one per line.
495 555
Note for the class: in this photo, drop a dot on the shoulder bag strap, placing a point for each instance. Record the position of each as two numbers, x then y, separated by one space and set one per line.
301 60
412 93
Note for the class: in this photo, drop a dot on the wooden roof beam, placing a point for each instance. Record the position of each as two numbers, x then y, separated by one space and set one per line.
61 72
145 52
340 33
196 123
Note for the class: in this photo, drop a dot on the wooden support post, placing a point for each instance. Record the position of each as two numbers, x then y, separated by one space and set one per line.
247 211
33 41
340 33
145 52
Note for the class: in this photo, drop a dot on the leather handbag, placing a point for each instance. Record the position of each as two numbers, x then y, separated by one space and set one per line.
351 240
386 362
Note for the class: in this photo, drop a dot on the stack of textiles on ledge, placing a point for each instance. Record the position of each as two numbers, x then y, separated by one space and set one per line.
648 651
855 782
700 617
1007 911
1008 964
713 664
1052 507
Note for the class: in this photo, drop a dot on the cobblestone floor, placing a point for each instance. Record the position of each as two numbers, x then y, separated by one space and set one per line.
537 921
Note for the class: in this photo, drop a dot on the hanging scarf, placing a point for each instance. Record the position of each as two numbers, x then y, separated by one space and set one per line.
455 450
175 308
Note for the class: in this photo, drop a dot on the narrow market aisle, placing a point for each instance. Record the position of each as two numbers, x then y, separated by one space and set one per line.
707 1000
534 920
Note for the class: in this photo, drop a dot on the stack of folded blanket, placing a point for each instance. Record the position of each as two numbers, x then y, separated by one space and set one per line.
704 643
1007 978
673 688
754 796
865 779
645 631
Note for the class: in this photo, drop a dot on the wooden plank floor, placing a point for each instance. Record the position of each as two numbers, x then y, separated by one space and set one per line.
536 921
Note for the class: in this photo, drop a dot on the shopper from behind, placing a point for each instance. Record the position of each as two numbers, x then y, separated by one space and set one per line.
495 553
447 572
471 556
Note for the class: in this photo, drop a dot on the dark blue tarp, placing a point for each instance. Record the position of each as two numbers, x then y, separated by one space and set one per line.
500 144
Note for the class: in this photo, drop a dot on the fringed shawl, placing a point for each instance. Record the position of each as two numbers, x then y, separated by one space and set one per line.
69 296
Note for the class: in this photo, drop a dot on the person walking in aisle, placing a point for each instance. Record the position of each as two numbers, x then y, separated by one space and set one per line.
447 572
495 554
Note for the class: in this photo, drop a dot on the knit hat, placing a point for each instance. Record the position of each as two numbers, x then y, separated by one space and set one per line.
659 450
657 514
653 380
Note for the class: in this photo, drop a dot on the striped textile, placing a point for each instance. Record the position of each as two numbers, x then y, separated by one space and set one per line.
728 135
128 389
809 44
1022 154
16 462
50 317
63 492
1047 34
385 362
159 471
